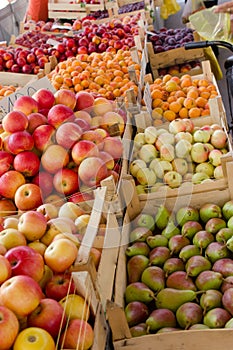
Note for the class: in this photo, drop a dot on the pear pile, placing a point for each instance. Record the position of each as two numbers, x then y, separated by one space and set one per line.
180 270
180 153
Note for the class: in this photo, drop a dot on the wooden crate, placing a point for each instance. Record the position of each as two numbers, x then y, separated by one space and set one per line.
178 340
65 9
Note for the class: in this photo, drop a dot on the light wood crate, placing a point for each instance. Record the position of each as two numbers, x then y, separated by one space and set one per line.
178 340
65 9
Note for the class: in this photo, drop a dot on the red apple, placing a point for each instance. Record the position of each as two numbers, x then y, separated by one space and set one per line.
78 332
83 115
26 104
68 134
59 114
10 182
65 97
83 149
92 170
48 315
60 285
43 136
14 297
5 270
35 120
49 211
94 136
25 260
108 159
32 224
45 181
54 158
84 125
80 197
15 121
20 141
60 254
84 100
65 181
6 161
27 163
9 328
113 146
45 98
102 105
113 120
28 197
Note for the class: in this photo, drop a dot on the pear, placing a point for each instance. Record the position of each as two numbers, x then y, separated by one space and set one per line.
172 299
139 234
180 280
230 223
224 266
190 228
138 291
196 264
224 234
154 278
216 251
137 248
198 326
173 264
209 280
216 318
159 255
188 251
229 324
227 283
157 241
162 217
202 239
136 312
188 314
211 299
185 214
160 318
135 267
227 209
176 243
168 329
229 244
145 220
214 225
210 210
170 230
227 300
138 330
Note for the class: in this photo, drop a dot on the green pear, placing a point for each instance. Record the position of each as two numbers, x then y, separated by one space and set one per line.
185 214
159 255
138 330
202 239
162 217
210 210
224 234
216 318
224 266
170 230
229 324
227 209
172 299
145 220
227 300
137 248
198 326
189 314
216 251
135 267
138 291
176 243
211 299
180 280
215 224
139 234
229 244
190 228
173 264
188 251
209 280
230 223
196 264
154 278
168 329
136 312
157 241
160 318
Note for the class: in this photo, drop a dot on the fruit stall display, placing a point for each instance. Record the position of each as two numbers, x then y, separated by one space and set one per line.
174 273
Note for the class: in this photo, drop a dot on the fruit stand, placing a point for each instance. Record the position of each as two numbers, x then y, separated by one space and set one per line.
115 156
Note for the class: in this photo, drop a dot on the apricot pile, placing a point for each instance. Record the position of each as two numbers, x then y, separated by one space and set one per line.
6 90
104 73
180 97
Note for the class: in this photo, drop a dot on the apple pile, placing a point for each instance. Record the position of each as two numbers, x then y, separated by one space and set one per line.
167 39
181 153
56 146
179 269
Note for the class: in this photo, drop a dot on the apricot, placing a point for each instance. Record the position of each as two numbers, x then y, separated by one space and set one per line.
169 115
194 112
175 106
189 102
